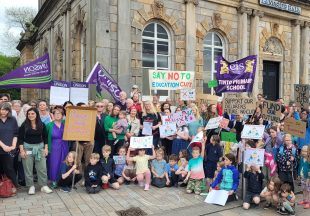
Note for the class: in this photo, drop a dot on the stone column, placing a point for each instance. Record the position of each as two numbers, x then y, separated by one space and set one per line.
190 33
304 66
243 13
124 45
254 45
295 54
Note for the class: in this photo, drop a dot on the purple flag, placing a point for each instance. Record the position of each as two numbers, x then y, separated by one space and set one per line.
237 76
35 74
101 77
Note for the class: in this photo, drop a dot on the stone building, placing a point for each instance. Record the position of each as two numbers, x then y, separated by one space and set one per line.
131 36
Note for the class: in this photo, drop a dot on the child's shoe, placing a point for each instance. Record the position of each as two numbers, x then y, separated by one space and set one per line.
282 211
54 185
147 187
105 186
65 189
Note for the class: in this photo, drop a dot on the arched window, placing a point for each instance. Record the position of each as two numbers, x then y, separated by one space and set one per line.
155 53
212 48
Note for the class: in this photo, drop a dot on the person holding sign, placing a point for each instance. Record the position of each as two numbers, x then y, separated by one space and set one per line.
33 147
57 147
193 126
99 129
305 117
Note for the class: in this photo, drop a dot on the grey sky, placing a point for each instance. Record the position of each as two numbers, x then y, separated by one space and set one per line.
3 22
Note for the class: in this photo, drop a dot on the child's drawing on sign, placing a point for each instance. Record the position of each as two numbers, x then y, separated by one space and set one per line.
253 131
254 156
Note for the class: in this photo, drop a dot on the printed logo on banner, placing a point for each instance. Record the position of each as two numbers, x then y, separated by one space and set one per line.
271 111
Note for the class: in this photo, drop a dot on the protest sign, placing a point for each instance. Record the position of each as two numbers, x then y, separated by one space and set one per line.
35 74
237 104
295 127
119 159
166 120
80 123
198 137
228 136
214 123
302 95
141 142
237 76
271 111
166 130
59 92
146 98
224 123
254 156
206 99
183 117
188 94
212 84
218 197
147 128
253 131
79 92
171 80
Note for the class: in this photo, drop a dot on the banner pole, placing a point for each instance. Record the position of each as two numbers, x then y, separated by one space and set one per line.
75 161
243 179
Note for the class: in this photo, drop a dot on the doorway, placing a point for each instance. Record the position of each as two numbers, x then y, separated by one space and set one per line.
271 79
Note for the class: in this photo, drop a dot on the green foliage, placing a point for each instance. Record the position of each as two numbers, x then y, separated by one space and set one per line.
8 64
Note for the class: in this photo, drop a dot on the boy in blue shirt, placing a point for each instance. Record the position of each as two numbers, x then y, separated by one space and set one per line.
171 168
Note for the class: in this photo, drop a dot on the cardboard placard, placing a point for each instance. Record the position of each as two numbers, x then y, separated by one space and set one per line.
141 142
295 127
271 111
253 131
254 156
206 99
302 95
188 94
80 124
237 104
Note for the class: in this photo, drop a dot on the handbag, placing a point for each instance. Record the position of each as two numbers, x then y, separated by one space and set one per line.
7 188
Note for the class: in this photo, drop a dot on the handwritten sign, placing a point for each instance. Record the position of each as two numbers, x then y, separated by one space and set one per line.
171 80
254 156
206 99
253 131
147 128
214 123
166 120
183 117
218 197
119 159
271 111
80 124
237 104
188 94
302 95
294 127
224 123
166 130
141 142
197 138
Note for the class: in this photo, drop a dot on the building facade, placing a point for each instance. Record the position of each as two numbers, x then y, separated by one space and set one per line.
129 37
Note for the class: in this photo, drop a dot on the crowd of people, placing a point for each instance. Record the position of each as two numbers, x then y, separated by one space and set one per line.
32 149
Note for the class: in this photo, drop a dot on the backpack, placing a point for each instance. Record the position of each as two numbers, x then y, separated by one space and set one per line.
7 188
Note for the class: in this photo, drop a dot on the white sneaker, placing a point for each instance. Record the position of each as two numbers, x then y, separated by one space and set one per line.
32 190
46 189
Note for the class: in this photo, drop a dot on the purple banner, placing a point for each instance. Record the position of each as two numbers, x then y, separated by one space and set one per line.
36 74
237 76
79 85
101 77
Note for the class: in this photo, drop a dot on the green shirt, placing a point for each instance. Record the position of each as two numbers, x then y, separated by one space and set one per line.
109 121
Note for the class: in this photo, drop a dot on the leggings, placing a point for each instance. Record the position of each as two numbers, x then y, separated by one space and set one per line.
146 175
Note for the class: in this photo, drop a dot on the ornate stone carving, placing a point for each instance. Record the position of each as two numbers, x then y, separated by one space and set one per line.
296 22
195 2
275 28
243 10
258 13
158 8
66 7
217 20
307 24
79 16
58 33
273 45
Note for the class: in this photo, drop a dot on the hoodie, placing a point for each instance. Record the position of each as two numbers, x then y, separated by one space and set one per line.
228 178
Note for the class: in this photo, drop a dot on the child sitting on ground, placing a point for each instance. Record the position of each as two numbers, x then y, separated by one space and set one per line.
171 169
287 200
255 183
129 172
228 177
195 173
158 167
121 125
93 174
182 154
120 164
66 170
108 169
182 172
271 192
142 170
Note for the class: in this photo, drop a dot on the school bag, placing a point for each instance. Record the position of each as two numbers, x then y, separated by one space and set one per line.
7 188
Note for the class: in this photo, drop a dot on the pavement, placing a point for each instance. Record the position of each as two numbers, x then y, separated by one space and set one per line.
164 201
